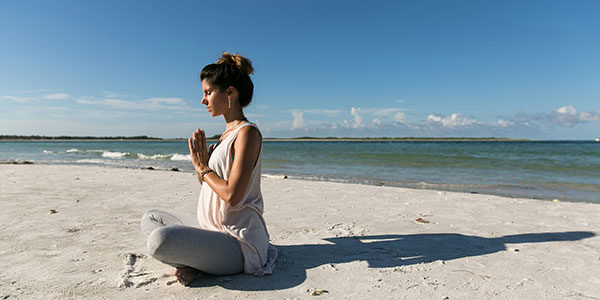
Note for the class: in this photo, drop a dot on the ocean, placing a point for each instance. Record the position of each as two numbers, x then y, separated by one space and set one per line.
564 170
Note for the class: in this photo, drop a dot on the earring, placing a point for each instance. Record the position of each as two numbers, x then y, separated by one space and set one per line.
229 102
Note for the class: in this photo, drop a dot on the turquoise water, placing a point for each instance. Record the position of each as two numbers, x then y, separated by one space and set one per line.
565 170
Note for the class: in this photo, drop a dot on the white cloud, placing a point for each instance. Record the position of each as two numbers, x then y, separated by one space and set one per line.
386 114
590 117
99 127
362 121
109 94
357 118
144 104
399 117
325 112
454 120
16 99
59 96
567 110
171 101
298 120
381 111
372 117
32 98
567 116
87 101
124 104
392 122
505 123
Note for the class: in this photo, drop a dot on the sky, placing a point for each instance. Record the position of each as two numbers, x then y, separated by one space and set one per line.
514 69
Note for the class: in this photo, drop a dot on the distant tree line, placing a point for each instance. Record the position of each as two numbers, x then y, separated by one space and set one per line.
402 138
66 137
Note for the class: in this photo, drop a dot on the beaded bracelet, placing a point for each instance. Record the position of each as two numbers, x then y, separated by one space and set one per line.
204 173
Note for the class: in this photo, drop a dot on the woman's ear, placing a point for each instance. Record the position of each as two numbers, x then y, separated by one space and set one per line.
231 91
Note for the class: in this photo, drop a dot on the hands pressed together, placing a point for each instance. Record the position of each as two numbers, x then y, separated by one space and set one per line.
198 151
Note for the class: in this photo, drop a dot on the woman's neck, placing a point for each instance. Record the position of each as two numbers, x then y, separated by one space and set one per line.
234 118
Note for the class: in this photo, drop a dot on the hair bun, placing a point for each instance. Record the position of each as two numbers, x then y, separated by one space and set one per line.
244 64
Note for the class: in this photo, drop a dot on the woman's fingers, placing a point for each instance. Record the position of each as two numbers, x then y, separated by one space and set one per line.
197 140
203 150
197 145
202 142
193 144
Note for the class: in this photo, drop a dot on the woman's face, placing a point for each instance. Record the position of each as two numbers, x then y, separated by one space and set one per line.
215 100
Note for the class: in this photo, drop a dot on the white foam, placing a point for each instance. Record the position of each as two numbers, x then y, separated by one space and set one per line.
155 156
161 156
92 161
143 156
75 150
110 154
177 156
49 151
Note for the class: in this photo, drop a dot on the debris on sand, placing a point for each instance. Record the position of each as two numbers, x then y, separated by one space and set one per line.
421 221
316 292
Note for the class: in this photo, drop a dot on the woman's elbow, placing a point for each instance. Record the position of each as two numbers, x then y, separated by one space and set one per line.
232 198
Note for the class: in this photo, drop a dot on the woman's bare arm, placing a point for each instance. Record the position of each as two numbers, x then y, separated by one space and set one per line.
246 149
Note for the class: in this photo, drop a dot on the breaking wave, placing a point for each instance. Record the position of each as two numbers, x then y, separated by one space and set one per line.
126 155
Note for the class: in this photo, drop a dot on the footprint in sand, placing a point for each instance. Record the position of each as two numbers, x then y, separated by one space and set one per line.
133 275
346 230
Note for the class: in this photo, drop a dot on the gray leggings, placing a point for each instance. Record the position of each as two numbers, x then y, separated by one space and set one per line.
177 240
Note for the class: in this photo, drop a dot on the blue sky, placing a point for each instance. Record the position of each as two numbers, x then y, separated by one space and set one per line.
519 69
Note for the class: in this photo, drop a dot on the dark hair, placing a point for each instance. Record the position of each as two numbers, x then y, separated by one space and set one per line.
231 70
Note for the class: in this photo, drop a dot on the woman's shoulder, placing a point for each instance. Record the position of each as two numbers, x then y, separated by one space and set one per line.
249 139
250 132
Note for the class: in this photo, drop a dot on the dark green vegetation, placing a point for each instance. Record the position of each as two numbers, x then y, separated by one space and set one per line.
64 137
454 139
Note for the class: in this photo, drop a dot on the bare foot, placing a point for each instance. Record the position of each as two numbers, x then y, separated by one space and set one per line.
186 275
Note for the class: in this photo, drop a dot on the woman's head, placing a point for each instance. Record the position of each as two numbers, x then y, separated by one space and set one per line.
232 70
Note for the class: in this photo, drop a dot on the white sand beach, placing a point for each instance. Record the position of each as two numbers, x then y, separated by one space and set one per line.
72 232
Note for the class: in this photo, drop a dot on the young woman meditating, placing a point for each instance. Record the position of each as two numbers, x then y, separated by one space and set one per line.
228 235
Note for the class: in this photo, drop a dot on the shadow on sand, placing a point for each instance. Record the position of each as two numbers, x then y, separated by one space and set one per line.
380 251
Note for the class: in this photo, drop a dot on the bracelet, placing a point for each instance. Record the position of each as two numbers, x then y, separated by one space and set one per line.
204 173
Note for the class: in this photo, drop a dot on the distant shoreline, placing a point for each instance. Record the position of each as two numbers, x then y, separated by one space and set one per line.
411 139
12 138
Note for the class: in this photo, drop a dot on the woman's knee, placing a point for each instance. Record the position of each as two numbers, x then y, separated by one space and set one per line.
161 241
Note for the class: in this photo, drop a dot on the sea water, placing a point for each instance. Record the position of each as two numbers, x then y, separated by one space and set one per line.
564 170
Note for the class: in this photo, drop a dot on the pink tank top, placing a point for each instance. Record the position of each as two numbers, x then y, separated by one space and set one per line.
244 221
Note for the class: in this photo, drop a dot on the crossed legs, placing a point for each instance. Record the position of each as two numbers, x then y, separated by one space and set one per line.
177 240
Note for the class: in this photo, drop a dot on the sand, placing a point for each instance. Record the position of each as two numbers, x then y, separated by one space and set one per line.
72 232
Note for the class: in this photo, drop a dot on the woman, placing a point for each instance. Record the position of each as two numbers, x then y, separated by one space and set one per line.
229 234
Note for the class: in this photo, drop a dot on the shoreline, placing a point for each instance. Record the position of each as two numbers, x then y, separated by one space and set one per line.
443 187
79 226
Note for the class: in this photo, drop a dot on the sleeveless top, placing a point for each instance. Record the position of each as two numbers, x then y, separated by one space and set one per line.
244 221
